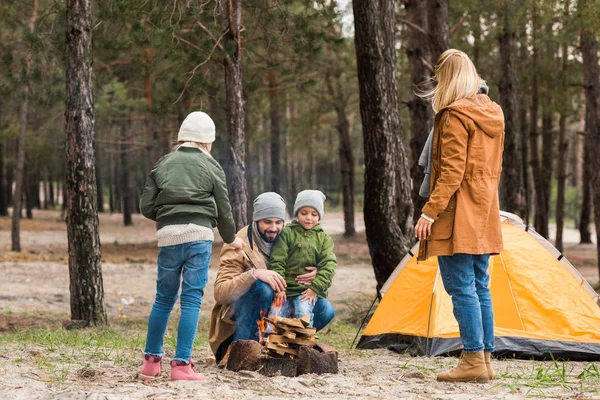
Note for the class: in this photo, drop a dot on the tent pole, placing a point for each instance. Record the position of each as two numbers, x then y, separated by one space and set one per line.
365 318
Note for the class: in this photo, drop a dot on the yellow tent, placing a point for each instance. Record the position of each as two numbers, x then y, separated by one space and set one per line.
542 305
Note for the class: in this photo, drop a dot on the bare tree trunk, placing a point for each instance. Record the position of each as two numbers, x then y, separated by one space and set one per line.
589 51
512 196
524 133
388 205
125 177
275 132
346 155
533 133
29 191
232 22
437 22
562 149
86 287
51 191
420 111
99 187
45 187
20 165
3 186
543 217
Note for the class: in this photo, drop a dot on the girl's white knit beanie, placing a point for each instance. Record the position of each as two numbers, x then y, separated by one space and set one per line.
197 127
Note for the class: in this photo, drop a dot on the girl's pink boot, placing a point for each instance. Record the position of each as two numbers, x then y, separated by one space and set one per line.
180 371
151 368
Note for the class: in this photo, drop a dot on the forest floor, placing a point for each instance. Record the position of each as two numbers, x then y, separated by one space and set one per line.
39 359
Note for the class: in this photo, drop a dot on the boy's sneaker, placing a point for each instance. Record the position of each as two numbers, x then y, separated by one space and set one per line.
151 368
182 371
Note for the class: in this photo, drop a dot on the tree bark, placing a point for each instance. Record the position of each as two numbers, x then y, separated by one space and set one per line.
524 133
562 148
439 30
29 190
512 196
345 153
533 133
232 22
99 189
420 111
388 205
275 132
3 186
125 177
86 287
589 51
543 217
20 164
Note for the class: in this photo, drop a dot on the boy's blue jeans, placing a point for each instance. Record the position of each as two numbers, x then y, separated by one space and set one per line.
188 261
259 297
466 279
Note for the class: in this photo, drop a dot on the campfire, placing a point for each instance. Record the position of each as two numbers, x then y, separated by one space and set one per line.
286 346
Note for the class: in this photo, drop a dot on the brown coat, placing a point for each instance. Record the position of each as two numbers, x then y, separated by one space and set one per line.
466 164
233 280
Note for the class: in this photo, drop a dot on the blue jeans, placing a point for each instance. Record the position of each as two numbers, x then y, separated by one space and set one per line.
259 297
466 279
298 308
188 261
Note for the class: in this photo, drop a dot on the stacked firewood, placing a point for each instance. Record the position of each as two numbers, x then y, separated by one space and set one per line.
288 335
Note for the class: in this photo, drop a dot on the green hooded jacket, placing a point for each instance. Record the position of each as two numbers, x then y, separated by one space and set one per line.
298 248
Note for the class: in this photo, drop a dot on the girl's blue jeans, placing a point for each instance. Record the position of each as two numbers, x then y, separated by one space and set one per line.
466 279
187 263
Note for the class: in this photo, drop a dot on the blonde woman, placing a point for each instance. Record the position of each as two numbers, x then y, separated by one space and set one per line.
460 222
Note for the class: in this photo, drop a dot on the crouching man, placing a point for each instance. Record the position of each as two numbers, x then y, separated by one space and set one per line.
245 286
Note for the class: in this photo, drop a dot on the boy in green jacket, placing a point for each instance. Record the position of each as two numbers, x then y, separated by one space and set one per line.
301 244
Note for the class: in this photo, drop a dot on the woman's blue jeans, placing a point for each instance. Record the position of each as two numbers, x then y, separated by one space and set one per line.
466 279
187 263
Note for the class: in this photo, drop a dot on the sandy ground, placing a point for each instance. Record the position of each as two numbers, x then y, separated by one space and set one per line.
36 282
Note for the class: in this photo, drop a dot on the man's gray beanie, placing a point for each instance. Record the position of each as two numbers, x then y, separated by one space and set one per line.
268 205
310 198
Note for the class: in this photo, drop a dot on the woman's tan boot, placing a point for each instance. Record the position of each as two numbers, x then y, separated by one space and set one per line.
471 368
488 364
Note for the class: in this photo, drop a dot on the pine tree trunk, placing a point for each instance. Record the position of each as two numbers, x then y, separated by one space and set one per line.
232 22
512 196
87 292
51 195
589 51
345 153
125 178
562 152
29 193
20 164
99 188
533 133
439 30
388 205
45 187
524 133
420 111
546 170
275 132
3 186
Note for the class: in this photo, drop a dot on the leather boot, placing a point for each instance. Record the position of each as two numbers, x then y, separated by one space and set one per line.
488 364
182 371
471 368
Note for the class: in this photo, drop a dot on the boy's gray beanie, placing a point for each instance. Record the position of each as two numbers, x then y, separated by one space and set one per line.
268 205
310 198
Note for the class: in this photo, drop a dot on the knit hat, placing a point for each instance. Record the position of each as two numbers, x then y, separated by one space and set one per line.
197 127
310 198
268 205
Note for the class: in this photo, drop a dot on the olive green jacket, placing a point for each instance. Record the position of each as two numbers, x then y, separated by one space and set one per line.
298 248
188 186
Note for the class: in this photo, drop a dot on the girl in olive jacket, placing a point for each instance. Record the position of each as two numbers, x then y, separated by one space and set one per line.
186 195
304 243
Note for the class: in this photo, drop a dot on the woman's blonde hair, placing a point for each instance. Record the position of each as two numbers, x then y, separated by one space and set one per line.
205 146
456 78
